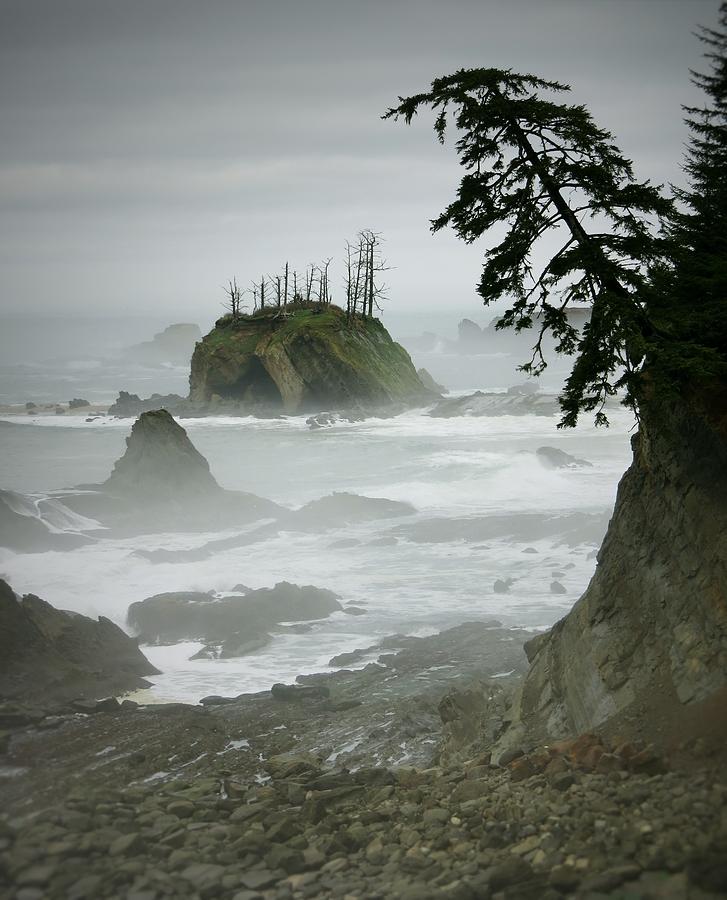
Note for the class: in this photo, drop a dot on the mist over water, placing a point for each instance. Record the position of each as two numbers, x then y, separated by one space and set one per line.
412 575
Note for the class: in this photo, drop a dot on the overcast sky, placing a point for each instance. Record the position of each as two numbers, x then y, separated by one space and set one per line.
152 149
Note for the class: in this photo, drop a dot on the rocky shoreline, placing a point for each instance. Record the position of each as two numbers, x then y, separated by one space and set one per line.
371 783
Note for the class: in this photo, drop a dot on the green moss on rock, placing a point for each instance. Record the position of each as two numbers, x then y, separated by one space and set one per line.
303 360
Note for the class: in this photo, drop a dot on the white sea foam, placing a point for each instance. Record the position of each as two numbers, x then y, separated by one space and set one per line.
446 468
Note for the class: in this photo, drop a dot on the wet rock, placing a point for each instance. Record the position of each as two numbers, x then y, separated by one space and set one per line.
502 585
297 693
258 879
238 623
53 656
554 458
126 845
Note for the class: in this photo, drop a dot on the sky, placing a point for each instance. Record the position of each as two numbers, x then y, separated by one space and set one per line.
153 149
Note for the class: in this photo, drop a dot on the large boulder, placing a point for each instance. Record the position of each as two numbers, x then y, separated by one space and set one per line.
651 629
303 359
129 406
49 656
236 623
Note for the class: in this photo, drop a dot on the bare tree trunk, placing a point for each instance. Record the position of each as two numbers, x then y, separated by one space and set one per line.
262 292
233 293
372 244
285 295
349 286
359 273
277 288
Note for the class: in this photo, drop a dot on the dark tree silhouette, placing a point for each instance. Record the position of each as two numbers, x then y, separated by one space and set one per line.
545 169
689 296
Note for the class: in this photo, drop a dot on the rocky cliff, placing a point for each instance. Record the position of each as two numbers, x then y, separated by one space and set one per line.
652 626
304 359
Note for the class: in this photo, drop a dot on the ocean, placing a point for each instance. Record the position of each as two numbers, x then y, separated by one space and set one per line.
434 570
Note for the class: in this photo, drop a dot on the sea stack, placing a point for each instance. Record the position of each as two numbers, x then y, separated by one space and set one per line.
304 359
160 462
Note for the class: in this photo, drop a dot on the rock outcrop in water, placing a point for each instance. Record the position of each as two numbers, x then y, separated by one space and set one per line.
231 625
160 461
651 629
303 359
163 483
48 656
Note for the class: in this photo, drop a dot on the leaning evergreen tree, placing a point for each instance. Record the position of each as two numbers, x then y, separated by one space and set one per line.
544 170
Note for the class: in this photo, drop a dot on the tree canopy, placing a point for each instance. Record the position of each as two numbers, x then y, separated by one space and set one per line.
579 227
688 296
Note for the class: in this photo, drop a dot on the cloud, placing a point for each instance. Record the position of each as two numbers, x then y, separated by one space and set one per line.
177 142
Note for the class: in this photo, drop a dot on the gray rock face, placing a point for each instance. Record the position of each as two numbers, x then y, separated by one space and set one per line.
236 624
654 614
49 656
160 460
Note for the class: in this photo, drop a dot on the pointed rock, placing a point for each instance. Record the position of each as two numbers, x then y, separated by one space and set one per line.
160 461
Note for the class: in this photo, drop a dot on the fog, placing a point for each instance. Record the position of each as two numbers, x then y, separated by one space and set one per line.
152 151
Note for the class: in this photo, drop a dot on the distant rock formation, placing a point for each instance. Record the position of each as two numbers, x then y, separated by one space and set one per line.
653 621
491 404
470 336
49 657
174 345
473 339
127 406
303 359
160 461
429 383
